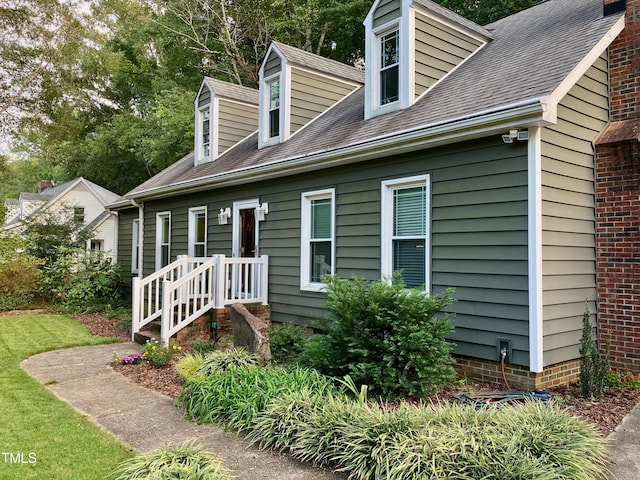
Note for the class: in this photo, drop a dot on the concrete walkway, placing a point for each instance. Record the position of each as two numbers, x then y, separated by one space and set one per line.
147 420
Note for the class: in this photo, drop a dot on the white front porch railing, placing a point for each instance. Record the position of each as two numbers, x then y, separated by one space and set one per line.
189 287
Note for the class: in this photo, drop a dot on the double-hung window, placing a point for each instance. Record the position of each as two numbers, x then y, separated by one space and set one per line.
205 133
389 67
405 230
318 238
198 232
274 108
163 239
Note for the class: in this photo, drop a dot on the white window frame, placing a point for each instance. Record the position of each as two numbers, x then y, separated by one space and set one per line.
305 238
200 133
265 99
160 216
135 246
382 68
193 224
386 213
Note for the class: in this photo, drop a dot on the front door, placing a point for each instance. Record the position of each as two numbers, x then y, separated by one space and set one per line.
247 232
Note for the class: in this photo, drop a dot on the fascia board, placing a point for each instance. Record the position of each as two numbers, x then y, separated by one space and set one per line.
530 113
555 97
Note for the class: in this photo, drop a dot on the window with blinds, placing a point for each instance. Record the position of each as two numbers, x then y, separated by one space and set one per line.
317 238
405 230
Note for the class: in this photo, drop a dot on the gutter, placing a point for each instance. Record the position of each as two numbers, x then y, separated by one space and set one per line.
532 112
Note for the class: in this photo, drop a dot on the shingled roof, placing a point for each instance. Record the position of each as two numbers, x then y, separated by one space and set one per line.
530 55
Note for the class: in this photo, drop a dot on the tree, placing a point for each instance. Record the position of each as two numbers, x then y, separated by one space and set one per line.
486 11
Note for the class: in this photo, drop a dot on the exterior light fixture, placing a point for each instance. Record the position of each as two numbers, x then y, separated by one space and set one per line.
224 215
512 135
261 211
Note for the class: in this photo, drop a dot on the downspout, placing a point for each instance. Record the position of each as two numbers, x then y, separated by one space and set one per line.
140 207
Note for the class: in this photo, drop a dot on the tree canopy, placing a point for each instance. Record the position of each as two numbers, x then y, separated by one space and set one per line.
104 88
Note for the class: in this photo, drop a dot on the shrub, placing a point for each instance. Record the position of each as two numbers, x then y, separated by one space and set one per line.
204 347
183 461
79 283
221 360
367 440
594 364
19 273
233 397
287 342
616 378
385 336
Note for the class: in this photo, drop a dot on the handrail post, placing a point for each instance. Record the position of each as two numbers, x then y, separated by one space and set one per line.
220 281
264 278
167 311
136 311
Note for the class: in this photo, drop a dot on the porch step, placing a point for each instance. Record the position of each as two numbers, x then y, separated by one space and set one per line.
152 330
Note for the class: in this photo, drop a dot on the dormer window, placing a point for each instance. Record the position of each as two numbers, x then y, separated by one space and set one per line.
205 133
274 108
389 68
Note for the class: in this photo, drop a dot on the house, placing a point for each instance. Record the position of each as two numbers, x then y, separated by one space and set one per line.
88 202
462 155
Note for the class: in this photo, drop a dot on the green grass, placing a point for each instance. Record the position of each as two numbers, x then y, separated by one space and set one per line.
62 443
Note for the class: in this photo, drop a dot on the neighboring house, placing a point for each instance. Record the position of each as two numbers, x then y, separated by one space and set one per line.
88 201
463 156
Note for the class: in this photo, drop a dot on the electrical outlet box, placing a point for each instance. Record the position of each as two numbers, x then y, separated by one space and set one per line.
504 344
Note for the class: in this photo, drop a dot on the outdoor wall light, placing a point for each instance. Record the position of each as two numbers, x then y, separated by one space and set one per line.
261 211
224 215
521 135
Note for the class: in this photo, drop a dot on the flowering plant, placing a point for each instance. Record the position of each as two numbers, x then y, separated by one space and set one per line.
134 359
617 378
158 353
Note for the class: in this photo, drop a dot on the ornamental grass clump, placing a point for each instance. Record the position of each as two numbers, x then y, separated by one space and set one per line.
396 442
234 396
220 360
183 461
187 367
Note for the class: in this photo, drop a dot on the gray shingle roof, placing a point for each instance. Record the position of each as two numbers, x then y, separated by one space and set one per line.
531 53
234 92
309 60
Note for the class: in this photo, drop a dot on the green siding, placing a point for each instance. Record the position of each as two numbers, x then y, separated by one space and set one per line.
479 235
568 204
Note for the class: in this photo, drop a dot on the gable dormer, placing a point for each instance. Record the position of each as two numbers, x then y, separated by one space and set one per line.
410 46
225 114
296 86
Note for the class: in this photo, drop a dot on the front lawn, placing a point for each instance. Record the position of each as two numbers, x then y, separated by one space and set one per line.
41 437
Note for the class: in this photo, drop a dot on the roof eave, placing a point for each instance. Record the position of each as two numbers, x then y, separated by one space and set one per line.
525 114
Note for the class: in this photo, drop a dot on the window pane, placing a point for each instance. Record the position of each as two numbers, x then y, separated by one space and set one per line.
165 229
274 123
320 260
409 257
206 132
200 227
321 218
274 95
389 89
164 255
198 250
389 49
409 207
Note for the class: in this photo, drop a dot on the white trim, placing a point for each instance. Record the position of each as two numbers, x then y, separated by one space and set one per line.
536 335
159 216
284 76
236 232
587 61
135 246
305 237
192 229
386 223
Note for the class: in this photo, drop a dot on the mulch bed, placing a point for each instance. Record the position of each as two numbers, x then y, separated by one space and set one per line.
606 413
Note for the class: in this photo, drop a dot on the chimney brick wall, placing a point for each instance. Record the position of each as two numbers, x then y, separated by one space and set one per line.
618 201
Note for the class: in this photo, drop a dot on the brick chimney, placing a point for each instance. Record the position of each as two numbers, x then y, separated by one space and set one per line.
618 196
44 185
